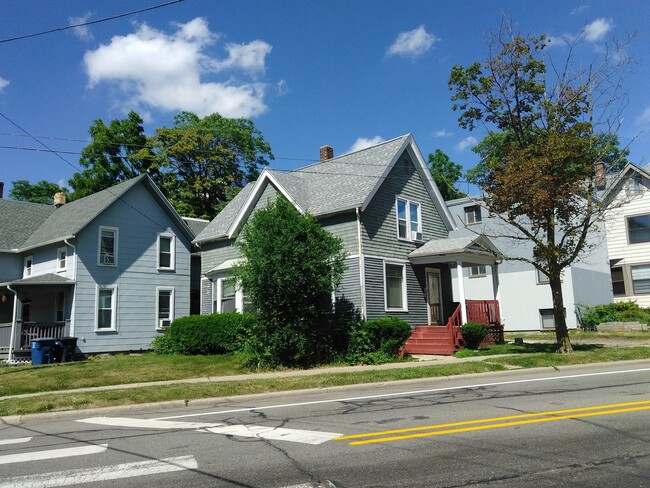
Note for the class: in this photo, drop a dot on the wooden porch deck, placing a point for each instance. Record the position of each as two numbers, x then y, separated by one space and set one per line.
447 339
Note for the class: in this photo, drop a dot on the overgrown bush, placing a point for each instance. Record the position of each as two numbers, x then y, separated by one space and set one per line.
205 334
614 312
473 334
377 341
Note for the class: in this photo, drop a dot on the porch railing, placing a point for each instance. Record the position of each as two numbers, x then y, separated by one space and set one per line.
39 330
5 336
483 312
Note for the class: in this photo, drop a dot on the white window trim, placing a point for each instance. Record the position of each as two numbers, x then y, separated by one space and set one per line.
405 307
172 305
58 260
479 274
409 236
28 270
115 230
473 212
172 249
113 327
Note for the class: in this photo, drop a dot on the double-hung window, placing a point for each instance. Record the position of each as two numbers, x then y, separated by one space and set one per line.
473 214
618 281
638 229
640 279
166 251
477 271
29 263
165 307
228 301
107 246
61 256
409 220
106 309
395 286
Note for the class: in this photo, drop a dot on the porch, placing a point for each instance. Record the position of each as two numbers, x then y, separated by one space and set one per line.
26 332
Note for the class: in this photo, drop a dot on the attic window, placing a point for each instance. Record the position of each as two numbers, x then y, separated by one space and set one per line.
107 246
473 215
409 220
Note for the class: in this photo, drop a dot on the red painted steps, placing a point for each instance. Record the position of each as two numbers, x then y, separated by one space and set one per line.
430 339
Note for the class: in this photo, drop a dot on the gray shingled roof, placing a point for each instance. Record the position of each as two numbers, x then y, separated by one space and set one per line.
453 245
196 225
324 188
19 220
46 279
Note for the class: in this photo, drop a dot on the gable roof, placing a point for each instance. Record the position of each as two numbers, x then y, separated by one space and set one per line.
470 247
330 187
48 224
615 186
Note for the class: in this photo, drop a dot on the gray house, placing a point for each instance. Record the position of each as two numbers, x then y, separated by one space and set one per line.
112 269
384 205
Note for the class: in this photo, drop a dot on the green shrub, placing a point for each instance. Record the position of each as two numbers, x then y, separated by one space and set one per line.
205 334
613 312
377 341
473 334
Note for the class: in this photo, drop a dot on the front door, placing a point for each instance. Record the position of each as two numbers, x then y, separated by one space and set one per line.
433 296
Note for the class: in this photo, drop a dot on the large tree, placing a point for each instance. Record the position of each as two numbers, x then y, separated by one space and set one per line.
208 160
290 268
446 174
41 192
117 152
538 158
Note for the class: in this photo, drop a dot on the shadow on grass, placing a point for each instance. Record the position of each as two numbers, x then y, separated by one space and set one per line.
511 348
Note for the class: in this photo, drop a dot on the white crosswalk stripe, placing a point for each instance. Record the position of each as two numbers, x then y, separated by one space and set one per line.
4 442
52 454
106 473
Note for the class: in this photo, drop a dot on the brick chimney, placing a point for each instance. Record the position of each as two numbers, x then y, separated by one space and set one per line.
2 189
599 173
59 199
326 152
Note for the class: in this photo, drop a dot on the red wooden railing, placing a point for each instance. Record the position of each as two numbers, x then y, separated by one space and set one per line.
483 312
453 325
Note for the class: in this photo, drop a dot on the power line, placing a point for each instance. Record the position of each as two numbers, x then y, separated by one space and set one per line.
82 24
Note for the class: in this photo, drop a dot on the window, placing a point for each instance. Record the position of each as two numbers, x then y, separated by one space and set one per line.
106 313
165 307
228 295
61 255
547 318
542 278
409 220
638 229
29 262
477 271
394 283
60 306
166 251
618 281
640 279
473 214
107 246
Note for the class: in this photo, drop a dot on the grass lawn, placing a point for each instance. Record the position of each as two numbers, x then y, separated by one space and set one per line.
580 334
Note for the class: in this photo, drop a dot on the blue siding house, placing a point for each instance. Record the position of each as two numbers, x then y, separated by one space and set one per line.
112 269
384 205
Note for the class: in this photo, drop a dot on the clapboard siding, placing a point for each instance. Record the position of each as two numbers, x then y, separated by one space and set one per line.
380 218
345 227
349 289
139 220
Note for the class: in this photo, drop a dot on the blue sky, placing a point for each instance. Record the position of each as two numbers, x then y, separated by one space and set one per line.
309 73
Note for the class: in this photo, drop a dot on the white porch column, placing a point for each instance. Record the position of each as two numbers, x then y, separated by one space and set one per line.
495 281
461 290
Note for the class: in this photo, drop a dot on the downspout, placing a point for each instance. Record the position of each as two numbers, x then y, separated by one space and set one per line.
74 294
13 325
362 267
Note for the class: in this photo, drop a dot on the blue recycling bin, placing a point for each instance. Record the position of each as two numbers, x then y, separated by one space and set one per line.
42 351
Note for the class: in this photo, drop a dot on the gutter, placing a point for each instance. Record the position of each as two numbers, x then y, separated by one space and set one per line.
74 294
362 267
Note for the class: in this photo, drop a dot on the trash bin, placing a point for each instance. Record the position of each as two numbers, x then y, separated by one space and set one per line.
42 351
68 346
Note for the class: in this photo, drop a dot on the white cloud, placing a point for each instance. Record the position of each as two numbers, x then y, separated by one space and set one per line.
3 83
82 32
644 118
468 142
412 43
442 133
363 142
166 71
579 9
282 87
597 30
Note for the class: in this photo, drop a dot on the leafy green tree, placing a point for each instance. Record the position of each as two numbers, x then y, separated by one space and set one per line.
537 161
289 271
208 160
118 151
446 174
41 192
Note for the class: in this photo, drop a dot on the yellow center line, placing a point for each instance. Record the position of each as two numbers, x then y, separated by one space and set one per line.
531 418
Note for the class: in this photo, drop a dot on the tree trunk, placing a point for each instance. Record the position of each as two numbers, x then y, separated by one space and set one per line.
561 330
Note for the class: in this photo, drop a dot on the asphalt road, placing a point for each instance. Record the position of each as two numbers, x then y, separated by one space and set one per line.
585 426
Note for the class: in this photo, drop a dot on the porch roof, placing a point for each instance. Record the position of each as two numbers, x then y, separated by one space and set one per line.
472 250
40 280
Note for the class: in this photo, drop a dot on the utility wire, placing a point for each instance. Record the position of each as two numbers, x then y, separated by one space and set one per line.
91 22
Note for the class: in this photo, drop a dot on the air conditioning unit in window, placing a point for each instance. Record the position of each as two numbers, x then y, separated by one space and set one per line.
108 259
416 236
163 323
